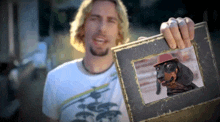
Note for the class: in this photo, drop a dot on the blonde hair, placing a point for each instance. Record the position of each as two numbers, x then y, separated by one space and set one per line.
77 26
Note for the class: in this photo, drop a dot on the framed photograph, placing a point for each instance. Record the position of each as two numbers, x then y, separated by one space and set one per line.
158 81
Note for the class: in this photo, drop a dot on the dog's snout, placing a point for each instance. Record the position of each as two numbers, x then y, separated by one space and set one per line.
161 78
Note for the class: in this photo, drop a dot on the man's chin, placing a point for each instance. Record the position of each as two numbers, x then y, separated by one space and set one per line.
99 53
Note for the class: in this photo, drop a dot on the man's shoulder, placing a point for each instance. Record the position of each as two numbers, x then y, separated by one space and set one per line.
70 65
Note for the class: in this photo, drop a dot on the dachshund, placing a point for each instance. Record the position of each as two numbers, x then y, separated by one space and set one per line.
175 76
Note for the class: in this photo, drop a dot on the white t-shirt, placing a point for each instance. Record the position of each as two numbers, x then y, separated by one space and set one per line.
72 94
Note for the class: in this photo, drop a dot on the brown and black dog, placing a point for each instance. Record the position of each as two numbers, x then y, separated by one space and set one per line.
174 75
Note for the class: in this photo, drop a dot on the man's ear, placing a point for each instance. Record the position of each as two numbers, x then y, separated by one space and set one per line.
119 36
81 33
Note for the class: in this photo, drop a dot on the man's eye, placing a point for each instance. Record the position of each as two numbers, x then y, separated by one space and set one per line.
112 21
157 68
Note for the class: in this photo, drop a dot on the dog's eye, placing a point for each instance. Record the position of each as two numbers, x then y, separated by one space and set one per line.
168 65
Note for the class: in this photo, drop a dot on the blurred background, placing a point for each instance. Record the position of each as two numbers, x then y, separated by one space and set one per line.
34 39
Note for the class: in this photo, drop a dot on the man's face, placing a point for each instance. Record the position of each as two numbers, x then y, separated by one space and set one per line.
101 28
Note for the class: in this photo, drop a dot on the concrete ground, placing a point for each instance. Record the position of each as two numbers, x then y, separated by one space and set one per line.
30 95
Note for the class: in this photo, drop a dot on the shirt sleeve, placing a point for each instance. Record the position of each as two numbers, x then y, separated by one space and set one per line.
49 105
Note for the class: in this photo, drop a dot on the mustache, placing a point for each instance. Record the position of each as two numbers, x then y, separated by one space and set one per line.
99 35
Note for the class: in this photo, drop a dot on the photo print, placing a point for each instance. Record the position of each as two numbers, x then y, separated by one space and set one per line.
168 74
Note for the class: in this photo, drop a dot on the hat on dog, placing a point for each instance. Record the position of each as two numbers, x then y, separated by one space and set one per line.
164 58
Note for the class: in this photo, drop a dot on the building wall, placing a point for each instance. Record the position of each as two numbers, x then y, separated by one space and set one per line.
28 26
60 50
4 31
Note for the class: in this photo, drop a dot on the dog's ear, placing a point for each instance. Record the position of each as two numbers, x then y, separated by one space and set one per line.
158 87
184 75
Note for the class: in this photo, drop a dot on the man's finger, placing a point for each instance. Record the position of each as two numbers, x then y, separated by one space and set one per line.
164 29
184 32
191 29
176 33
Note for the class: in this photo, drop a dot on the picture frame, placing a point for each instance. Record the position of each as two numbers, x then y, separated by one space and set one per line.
125 57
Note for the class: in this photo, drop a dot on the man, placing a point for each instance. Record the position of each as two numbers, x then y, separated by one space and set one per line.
88 89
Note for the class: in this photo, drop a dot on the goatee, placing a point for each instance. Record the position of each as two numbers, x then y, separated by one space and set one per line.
95 53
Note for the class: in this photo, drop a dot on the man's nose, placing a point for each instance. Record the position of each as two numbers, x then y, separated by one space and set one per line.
103 26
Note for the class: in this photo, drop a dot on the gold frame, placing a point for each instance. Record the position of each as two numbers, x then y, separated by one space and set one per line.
136 108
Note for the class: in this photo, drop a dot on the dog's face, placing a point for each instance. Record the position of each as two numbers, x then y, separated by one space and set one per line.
167 72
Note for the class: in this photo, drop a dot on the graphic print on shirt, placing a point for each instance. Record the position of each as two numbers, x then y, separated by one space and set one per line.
94 110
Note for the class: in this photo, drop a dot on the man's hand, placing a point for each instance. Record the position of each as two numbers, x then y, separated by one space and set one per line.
178 32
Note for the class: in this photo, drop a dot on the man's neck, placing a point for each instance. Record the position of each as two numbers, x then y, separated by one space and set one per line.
97 64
